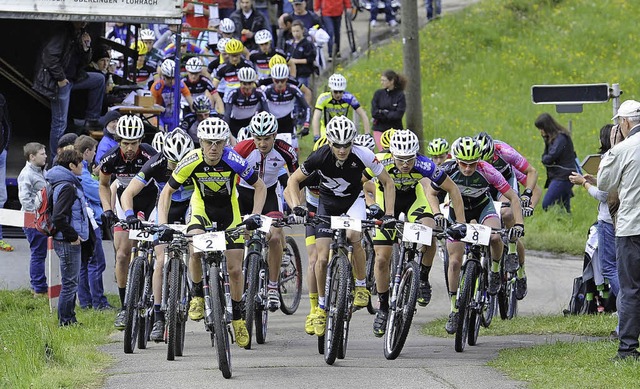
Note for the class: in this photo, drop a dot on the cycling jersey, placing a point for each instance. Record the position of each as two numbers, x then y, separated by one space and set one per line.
170 51
268 166
228 72
261 61
407 182
290 81
163 95
331 107
213 67
199 87
508 161
340 182
282 103
239 108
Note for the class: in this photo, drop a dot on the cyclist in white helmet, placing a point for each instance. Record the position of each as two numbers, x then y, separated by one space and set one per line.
365 140
200 85
214 168
243 103
341 164
265 51
162 92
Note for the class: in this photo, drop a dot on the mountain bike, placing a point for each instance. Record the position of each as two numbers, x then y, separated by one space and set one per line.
290 282
139 293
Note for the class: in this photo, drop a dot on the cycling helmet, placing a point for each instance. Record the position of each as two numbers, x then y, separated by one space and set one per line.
340 130
247 74
320 142
243 134
176 145
438 146
337 82
277 59
168 68
263 124
227 26
234 46
222 43
213 129
147 35
404 143
262 36
194 65
202 104
365 140
130 127
280 71
466 149
385 139
140 47
158 141
485 142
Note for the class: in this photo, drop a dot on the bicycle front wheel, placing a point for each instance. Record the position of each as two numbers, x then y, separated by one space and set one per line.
183 310
171 316
336 302
221 334
290 283
399 320
467 286
251 297
146 316
135 285
478 305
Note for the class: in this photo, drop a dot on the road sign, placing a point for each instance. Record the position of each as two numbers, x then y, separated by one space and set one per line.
573 94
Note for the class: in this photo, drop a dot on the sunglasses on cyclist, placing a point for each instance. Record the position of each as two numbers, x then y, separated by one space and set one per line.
405 161
280 81
468 164
342 146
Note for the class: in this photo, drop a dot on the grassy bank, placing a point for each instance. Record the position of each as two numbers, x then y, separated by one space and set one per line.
36 353
478 66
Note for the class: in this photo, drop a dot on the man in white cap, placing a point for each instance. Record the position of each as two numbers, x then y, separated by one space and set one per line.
620 171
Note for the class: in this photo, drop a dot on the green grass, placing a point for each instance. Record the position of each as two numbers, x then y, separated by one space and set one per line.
28 329
478 66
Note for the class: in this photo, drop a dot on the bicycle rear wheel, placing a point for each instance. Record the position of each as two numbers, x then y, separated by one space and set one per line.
250 304
171 315
468 282
370 263
478 306
135 285
290 283
512 306
399 320
261 313
147 317
489 310
342 350
220 330
183 310
336 301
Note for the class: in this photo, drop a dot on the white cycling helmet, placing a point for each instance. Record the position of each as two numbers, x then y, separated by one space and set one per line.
263 124
365 140
147 35
158 141
168 68
340 130
280 71
227 26
243 134
176 145
247 74
404 143
337 82
263 36
222 43
130 127
213 129
194 65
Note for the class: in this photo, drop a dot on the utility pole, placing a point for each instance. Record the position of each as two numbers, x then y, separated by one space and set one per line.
411 57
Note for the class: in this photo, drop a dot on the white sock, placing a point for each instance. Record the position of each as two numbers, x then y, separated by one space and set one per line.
321 302
361 282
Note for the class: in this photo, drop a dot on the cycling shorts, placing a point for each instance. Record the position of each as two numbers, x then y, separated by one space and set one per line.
356 210
479 213
413 204
310 229
204 214
271 204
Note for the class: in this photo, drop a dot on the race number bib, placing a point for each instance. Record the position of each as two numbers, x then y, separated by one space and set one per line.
345 223
477 234
417 233
210 241
144 236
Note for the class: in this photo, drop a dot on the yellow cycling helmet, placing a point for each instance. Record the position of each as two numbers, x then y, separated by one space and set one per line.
320 142
385 139
234 46
141 48
277 59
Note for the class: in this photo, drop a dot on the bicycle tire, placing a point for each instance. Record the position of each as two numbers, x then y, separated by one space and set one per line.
221 335
171 315
146 319
135 282
183 310
477 307
250 304
342 347
290 282
399 320
444 254
261 312
512 306
467 286
370 275
336 301
489 310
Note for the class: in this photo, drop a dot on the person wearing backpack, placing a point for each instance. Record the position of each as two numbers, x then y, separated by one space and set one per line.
72 228
30 181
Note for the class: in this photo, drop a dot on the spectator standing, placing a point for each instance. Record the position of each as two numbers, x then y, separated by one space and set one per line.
390 16
559 158
61 70
302 53
30 181
620 171
108 122
248 21
331 12
433 12
308 18
91 286
5 134
284 30
388 104
72 225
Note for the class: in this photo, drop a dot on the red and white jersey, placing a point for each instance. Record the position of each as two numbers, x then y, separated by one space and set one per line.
271 165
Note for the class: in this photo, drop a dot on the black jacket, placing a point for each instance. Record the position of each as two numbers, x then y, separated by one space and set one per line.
254 23
559 158
62 58
387 109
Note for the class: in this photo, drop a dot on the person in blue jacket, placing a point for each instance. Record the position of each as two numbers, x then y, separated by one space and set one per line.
108 122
